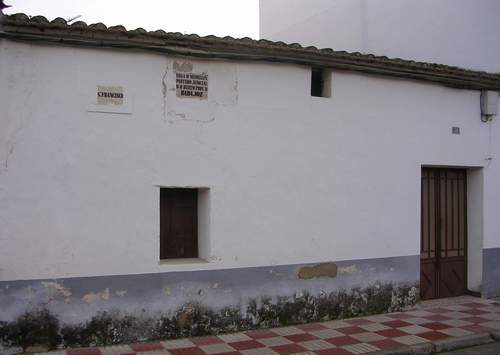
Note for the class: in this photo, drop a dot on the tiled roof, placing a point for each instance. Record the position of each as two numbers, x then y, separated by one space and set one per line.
38 29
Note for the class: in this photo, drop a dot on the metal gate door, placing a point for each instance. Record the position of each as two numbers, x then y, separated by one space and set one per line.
443 256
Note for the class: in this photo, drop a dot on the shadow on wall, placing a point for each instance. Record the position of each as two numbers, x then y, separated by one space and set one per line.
40 329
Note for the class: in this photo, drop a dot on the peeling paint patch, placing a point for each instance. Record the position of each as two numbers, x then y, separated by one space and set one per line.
347 269
164 92
235 88
11 150
120 293
105 294
175 114
167 291
182 317
56 291
320 270
29 292
184 66
182 117
91 297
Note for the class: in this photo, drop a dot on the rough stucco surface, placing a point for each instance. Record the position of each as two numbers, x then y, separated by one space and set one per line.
291 179
74 300
491 275
288 179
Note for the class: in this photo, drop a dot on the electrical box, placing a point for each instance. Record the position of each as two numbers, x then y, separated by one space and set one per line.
489 103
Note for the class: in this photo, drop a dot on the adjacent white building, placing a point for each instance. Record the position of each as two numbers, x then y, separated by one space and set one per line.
454 32
150 174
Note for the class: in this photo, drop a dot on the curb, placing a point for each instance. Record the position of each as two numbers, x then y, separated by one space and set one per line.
441 345
417 349
462 342
422 349
400 350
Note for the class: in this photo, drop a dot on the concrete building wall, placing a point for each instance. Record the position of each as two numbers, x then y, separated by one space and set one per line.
454 32
283 168
289 181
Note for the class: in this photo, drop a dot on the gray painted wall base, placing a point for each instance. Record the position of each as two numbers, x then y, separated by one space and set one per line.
77 299
128 308
491 273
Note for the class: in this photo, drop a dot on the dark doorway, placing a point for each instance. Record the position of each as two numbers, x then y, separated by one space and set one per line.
443 245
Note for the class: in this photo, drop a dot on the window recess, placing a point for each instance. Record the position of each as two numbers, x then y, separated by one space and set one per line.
321 82
178 223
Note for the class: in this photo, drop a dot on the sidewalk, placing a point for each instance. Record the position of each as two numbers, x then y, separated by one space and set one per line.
431 321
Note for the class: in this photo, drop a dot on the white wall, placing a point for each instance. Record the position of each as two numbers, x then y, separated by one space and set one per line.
455 32
292 178
492 189
475 222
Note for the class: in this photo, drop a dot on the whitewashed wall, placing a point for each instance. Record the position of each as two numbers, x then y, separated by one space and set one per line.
454 32
292 178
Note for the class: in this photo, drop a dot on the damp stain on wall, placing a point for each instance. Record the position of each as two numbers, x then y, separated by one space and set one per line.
39 328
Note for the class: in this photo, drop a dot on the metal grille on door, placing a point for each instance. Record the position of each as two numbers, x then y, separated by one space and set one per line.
443 256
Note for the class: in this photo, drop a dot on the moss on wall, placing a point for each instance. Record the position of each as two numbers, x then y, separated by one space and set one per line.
33 328
41 328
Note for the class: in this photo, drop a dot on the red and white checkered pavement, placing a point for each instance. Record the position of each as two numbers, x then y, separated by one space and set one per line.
349 336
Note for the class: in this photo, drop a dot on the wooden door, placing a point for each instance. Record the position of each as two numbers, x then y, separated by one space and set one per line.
443 251
178 223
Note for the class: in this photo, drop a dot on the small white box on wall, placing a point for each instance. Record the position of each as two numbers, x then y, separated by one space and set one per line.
489 103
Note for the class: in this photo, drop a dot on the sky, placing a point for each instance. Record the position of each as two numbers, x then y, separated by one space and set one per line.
237 18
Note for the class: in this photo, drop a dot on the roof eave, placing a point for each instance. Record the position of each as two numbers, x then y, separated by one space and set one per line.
212 47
